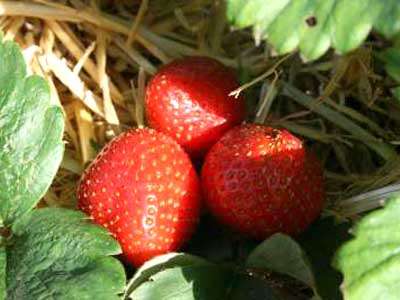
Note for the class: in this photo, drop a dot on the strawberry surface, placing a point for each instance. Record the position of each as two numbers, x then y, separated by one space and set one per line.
259 181
189 100
144 189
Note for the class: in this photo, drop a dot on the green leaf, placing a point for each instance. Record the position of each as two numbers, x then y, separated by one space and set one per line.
30 136
388 23
396 93
320 242
315 25
159 263
251 288
391 58
58 254
186 283
179 276
370 262
3 263
281 254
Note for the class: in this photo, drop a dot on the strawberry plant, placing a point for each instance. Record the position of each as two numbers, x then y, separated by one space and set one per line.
46 253
59 253
172 149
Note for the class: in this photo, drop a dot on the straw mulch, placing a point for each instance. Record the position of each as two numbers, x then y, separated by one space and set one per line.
98 55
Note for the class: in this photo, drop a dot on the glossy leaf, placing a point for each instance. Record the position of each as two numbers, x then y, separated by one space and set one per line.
159 263
282 254
181 277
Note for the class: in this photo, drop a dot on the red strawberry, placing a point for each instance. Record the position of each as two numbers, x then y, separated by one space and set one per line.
189 100
144 189
259 181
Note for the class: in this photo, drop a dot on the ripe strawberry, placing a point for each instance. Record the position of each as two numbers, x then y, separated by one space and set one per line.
144 189
189 100
259 181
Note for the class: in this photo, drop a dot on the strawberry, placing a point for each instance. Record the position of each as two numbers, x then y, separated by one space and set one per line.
189 100
259 181
144 189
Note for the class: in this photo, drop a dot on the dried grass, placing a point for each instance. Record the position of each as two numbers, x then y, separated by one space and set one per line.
97 56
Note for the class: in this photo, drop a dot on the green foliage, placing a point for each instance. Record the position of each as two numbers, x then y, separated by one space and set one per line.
58 254
179 276
252 288
30 136
184 276
391 58
45 253
159 263
370 262
315 25
3 263
282 254
320 242
396 92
